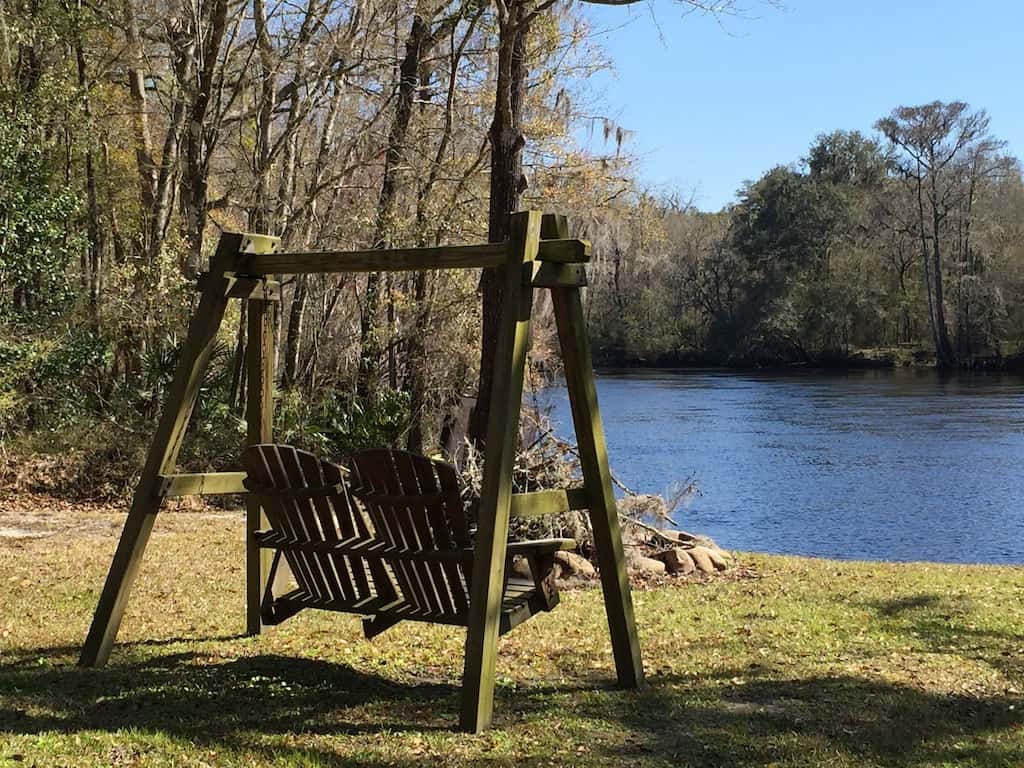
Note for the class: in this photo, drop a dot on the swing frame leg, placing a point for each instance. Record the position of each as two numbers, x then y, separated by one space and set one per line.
496 492
259 416
200 343
597 479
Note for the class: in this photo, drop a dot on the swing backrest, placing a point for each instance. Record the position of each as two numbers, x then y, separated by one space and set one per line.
306 500
415 505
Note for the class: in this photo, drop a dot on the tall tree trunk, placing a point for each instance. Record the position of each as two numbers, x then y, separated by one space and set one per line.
259 217
293 338
200 138
408 82
936 318
943 347
507 187
139 109
416 353
421 39
300 297
6 62
416 374
236 393
94 233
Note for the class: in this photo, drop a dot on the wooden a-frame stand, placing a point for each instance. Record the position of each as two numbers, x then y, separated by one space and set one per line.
538 255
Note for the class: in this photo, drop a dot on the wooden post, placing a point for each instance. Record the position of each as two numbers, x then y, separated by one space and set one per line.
597 479
163 454
259 415
496 493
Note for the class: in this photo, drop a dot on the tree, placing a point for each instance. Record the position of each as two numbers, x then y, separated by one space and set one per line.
943 151
507 182
847 159
784 227
39 113
426 30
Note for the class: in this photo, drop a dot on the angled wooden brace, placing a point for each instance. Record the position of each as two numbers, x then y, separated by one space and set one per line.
163 451
597 480
496 492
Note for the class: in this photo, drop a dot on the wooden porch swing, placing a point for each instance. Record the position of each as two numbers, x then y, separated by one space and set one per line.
390 541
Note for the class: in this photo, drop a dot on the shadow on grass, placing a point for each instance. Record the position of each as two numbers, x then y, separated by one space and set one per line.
732 718
269 694
946 624
899 605
814 720
251 704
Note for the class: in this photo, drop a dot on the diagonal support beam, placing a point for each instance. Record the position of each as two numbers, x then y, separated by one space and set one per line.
163 452
496 492
597 479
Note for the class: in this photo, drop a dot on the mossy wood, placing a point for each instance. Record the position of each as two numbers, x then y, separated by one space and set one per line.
363 540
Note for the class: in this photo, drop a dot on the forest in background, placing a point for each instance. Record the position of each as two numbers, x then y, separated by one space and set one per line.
131 134
903 247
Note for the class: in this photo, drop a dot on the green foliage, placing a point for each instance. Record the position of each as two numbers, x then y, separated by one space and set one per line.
823 261
36 243
848 159
157 366
44 382
783 232
341 424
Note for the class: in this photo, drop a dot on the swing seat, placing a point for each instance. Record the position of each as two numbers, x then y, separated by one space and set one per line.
387 539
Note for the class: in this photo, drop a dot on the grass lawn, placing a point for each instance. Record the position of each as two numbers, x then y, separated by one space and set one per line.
813 663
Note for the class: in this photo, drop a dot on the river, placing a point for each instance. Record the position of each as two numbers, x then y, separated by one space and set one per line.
884 464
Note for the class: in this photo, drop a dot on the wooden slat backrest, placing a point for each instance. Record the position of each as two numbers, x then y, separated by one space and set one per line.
322 517
415 505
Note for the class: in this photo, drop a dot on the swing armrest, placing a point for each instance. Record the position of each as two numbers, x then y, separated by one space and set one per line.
541 547
540 555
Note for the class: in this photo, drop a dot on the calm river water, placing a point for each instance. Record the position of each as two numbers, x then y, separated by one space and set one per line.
895 465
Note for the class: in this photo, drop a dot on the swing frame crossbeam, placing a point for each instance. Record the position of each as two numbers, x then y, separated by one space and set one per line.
539 254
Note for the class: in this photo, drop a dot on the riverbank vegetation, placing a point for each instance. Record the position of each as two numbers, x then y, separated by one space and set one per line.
805 663
907 243
130 137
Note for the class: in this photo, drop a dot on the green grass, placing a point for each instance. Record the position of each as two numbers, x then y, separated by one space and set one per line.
814 663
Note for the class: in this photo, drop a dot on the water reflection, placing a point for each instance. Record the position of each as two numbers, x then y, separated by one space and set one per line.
900 465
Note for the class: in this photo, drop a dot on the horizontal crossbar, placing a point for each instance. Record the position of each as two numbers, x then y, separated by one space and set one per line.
552 502
203 484
533 504
244 287
402 259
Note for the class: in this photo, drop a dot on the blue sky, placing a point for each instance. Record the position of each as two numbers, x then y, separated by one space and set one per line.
715 102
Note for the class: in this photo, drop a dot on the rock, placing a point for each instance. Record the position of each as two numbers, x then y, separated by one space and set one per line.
576 566
687 540
676 560
718 558
645 566
520 568
702 559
